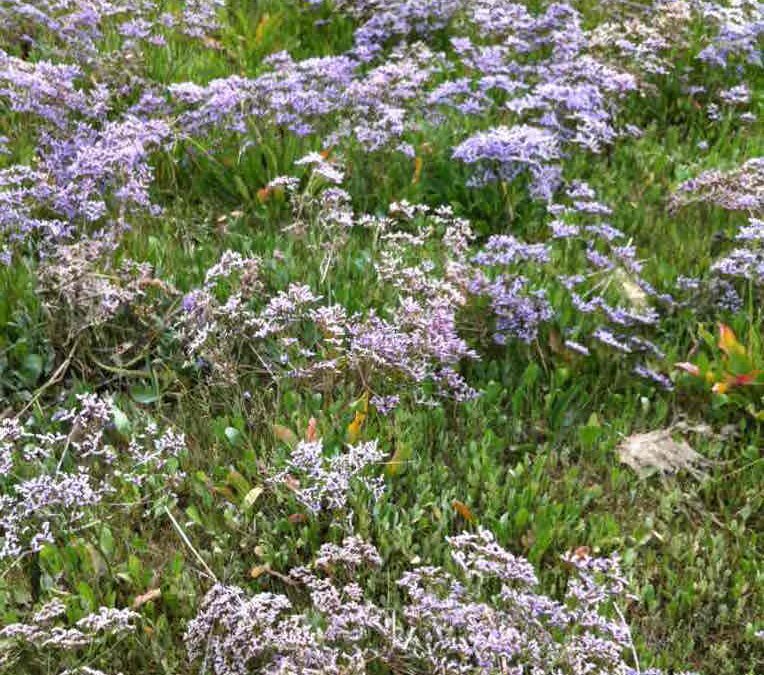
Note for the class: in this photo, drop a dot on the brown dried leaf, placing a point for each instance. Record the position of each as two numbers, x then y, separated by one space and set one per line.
657 450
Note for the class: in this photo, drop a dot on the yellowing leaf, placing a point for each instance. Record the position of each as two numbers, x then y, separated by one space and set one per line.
285 435
418 163
728 342
463 510
238 482
226 492
398 461
251 497
262 27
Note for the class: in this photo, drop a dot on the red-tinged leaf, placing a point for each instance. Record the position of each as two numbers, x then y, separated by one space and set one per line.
734 381
744 380
292 483
688 367
285 434
148 596
463 510
297 518
311 432
582 552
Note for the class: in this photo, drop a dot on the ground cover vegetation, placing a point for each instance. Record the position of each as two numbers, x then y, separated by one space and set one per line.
381 336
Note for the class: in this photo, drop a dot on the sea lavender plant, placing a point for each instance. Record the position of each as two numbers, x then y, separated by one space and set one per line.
83 287
47 632
449 623
55 478
324 482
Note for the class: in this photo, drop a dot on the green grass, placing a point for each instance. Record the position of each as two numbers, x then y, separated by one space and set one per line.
534 458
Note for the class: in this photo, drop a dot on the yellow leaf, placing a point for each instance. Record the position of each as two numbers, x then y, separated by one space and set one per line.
354 428
728 342
259 570
251 497
463 510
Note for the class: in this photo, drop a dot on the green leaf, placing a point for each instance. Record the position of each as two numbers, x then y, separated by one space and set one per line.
121 421
106 542
144 395
32 367
234 436
251 497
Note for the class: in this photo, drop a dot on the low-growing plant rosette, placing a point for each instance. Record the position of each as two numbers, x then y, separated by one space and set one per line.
733 372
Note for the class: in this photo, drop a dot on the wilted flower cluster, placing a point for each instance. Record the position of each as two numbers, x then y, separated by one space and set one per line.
53 479
84 287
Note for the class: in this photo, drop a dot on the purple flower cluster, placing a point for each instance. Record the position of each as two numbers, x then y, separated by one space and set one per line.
412 342
52 480
78 29
506 151
326 482
45 633
447 624
739 189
